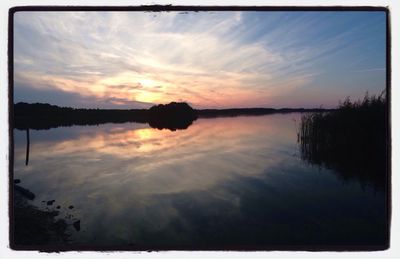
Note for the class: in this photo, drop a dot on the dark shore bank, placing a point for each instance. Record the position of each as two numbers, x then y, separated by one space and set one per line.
33 226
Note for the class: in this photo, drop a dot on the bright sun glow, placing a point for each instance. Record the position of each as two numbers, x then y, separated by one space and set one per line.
146 82
145 96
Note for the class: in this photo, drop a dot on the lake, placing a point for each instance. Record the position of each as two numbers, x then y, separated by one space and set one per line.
233 182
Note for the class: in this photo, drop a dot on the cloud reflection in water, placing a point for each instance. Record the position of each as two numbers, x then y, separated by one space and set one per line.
222 181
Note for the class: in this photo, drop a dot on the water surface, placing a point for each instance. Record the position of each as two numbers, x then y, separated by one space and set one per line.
223 182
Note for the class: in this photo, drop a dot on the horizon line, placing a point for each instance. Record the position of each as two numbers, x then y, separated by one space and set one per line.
232 108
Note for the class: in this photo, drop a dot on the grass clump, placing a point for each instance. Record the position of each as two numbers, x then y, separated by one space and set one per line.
352 139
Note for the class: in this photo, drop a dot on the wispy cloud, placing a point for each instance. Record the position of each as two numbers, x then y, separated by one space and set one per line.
371 70
210 59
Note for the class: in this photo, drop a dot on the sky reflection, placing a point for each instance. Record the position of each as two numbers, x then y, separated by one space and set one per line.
221 181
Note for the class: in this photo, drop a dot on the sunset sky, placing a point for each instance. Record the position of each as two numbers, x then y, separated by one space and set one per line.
208 59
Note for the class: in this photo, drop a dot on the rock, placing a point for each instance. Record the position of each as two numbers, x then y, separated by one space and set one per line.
58 207
28 194
77 225
70 207
50 202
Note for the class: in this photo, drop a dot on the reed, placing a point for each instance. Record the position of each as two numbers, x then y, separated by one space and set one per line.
352 139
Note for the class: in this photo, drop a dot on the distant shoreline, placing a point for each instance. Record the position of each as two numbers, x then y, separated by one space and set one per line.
172 116
232 112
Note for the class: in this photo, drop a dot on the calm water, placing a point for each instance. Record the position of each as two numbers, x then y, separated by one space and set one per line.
221 182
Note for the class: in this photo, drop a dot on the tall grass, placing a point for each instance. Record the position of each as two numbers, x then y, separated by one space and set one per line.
352 139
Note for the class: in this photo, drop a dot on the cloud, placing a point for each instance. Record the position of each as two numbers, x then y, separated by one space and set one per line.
26 92
371 70
210 59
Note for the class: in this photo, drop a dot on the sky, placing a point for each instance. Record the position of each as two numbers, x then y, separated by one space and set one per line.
207 59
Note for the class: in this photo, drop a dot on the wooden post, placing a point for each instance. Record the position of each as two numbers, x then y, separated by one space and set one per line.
27 147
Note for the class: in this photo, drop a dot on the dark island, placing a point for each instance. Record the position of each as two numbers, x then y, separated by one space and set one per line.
173 116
